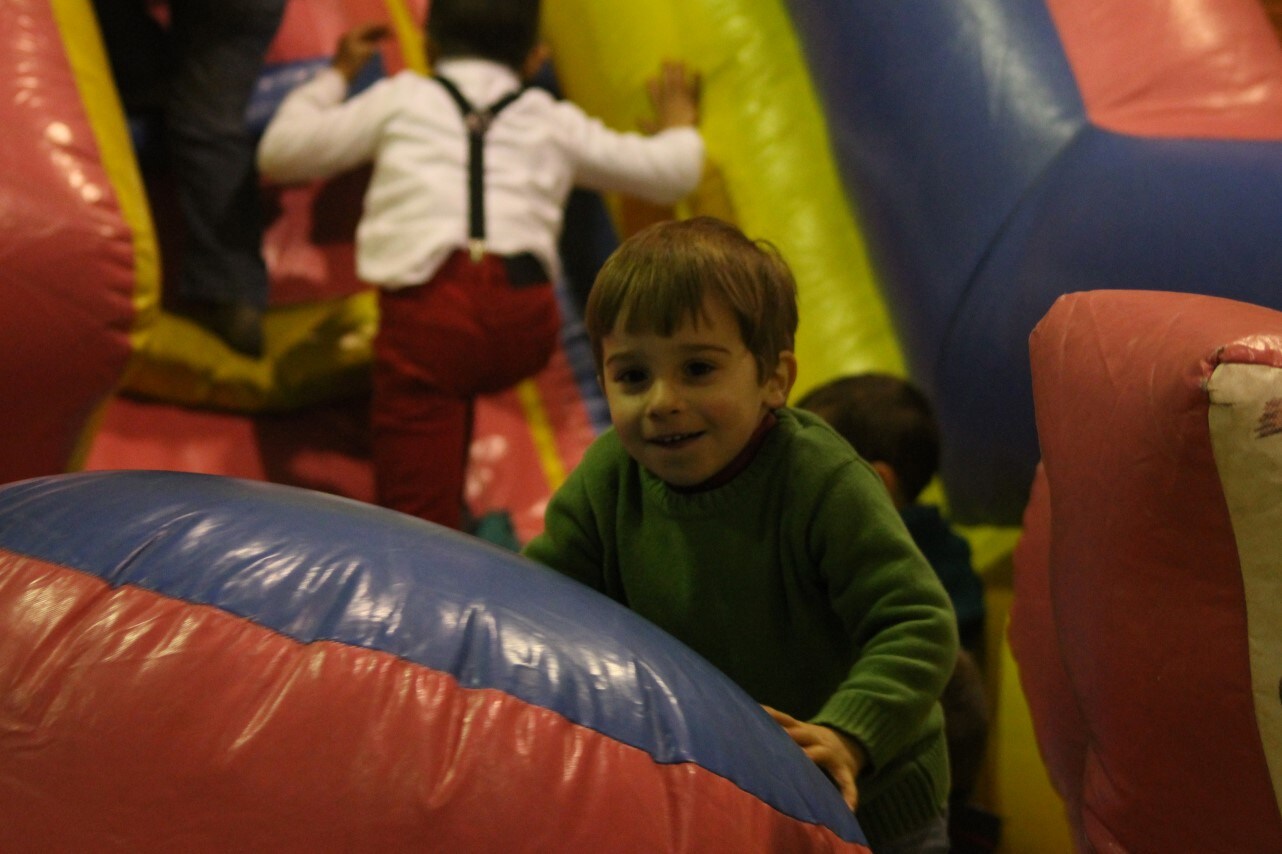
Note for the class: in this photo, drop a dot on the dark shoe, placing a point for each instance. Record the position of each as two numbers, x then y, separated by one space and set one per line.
238 324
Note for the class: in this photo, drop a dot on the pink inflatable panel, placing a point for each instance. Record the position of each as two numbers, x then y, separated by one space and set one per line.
1174 68
67 266
1147 619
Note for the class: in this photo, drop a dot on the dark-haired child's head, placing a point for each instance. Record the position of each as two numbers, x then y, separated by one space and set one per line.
692 326
505 31
887 420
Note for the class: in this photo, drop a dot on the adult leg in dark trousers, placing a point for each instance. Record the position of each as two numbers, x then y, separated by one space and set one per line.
202 70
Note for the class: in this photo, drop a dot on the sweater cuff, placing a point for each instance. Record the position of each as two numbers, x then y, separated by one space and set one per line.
910 800
881 732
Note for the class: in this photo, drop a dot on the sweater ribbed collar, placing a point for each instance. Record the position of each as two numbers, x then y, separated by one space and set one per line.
715 494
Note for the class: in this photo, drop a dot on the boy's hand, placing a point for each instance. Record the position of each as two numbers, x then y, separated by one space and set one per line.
357 46
839 755
674 94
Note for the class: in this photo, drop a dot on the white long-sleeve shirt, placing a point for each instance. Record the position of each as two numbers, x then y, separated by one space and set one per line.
416 208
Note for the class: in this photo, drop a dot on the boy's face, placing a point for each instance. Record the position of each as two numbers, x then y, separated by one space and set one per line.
686 405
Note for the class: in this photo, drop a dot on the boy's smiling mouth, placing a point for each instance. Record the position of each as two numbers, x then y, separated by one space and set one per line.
674 440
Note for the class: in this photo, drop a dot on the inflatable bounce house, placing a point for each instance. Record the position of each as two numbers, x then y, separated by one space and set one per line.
206 663
938 173
1147 580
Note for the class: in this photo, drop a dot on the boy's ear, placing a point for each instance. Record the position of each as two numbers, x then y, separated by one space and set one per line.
778 384
889 477
534 60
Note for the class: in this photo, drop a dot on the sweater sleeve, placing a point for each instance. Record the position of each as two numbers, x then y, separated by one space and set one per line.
316 134
896 612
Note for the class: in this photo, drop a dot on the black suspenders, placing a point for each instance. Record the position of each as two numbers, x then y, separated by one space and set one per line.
477 123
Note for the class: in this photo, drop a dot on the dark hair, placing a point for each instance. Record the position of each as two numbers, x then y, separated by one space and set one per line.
661 276
886 419
500 30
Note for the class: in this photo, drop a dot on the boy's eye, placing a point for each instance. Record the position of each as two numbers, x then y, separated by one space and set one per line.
700 369
629 376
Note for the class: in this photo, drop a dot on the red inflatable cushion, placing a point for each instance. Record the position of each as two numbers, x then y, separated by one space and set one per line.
1148 616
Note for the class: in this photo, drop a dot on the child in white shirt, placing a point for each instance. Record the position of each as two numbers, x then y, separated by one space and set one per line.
464 261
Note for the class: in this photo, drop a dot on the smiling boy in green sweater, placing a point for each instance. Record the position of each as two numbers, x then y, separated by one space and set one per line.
752 532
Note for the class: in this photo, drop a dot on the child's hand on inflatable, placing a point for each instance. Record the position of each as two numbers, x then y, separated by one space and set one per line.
839 755
674 94
356 47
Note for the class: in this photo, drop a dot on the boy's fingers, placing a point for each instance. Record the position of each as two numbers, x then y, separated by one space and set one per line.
781 718
673 76
849 793
846 785
836 771
366 35
821 751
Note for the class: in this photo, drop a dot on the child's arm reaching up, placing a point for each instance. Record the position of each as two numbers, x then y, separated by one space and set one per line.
315 133
839 755
356 47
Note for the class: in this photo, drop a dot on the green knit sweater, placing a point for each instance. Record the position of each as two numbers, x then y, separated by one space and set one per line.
798 580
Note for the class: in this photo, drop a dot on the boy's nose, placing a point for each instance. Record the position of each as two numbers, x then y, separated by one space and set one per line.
664 398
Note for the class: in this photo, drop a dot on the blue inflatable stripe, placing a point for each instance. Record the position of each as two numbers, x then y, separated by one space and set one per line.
935 141
316 567
985 192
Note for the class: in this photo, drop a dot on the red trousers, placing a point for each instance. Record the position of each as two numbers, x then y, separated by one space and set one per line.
468 331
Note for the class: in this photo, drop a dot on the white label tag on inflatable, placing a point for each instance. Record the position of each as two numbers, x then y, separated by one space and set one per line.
1246 436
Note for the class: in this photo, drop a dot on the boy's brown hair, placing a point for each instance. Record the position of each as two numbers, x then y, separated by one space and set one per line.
504 31
662 275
